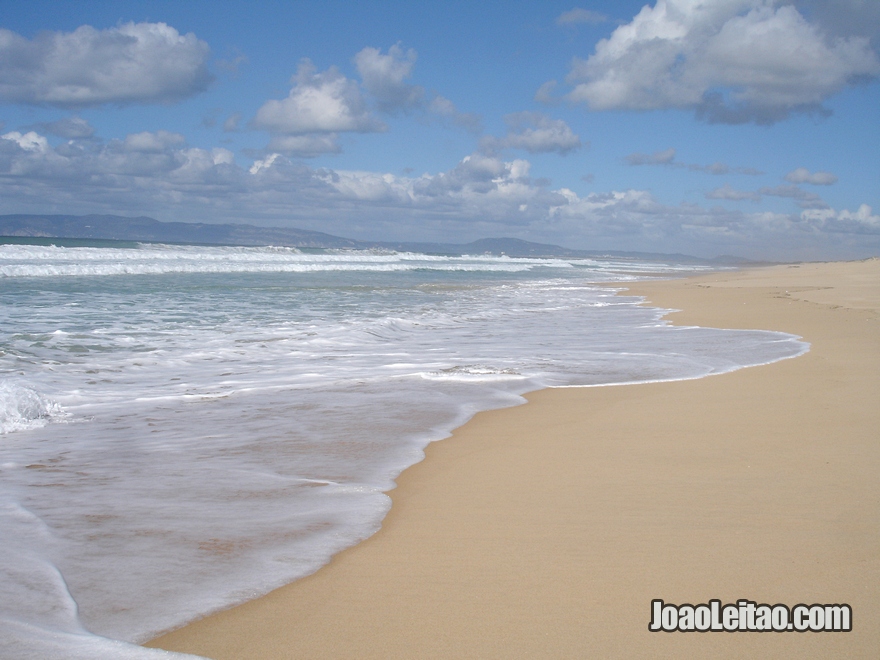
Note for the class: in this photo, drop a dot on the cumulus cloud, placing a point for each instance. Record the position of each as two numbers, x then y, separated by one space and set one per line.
305 146
320 105
536 133
657 158
141 168
482 195
733 61
545 93
803 198
667 158
230 124
130 63
233 63
477 180
30 141
861 221
72 128
152 142
812 233
730 194
803 175
842 18
579 15
385 76
319 102
445 110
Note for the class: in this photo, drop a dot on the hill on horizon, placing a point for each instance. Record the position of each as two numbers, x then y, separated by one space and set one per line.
145 229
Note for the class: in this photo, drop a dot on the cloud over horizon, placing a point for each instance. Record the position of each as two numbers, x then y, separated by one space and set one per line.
158 173
324 121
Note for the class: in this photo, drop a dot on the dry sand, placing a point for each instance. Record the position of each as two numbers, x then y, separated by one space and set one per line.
544 531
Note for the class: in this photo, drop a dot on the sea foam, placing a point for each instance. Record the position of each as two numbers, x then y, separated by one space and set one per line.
24 408
241 412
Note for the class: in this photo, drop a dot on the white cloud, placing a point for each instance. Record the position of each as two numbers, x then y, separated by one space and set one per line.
733 61
30 141
221 156
157 142
536 133
319 102
323 104
385 77
841 18
657 158
803 175
728 193
482 195
233 63
264 163
545 93
72 128
445 110
804 198
862 221
637 218
478 185
579 15
667 158
305 146
230 124
130 63
713 168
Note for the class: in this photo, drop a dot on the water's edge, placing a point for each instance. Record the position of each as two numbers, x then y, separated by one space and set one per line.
523 400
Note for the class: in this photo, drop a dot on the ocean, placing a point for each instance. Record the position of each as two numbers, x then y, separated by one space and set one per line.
183 428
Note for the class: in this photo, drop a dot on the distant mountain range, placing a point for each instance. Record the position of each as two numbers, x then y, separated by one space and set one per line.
114 227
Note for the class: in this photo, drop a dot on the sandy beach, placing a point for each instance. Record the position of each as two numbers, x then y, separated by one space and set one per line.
545 530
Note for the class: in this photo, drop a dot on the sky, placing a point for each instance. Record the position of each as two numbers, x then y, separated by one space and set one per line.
705 127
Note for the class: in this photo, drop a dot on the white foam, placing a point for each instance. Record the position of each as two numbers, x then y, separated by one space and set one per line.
22 408
157 259
52 261
247 426
38 616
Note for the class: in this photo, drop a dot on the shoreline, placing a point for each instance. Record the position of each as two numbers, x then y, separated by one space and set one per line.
546 529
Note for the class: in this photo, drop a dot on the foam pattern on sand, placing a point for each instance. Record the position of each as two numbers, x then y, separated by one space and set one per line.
186 428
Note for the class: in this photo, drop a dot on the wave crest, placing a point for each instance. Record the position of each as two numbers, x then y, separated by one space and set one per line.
24 408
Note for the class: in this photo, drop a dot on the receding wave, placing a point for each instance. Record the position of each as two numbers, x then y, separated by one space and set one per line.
248 425
23 408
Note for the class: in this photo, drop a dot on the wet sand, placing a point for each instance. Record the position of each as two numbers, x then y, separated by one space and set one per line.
545 530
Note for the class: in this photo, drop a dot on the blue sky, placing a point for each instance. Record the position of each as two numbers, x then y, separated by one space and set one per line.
747 127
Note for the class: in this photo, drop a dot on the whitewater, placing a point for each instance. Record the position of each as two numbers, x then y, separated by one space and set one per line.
183 428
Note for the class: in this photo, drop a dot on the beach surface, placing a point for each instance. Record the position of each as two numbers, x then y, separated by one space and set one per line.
545 530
